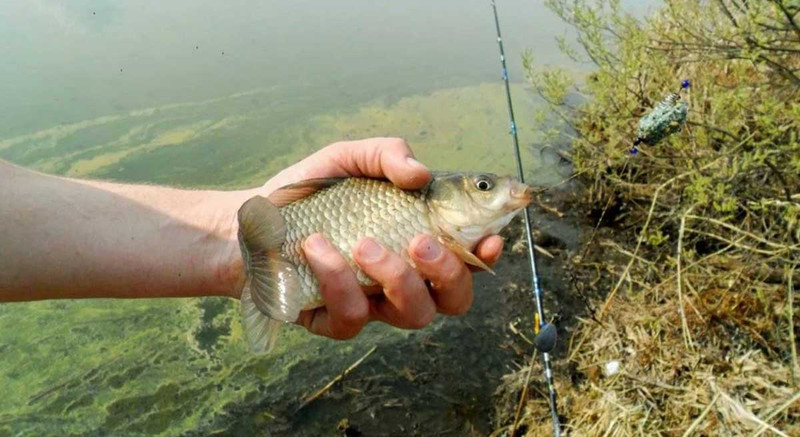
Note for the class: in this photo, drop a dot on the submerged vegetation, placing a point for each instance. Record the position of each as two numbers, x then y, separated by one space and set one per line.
180 366
694 254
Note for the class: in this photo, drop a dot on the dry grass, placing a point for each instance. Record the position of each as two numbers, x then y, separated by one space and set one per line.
728 381
695 262
704 341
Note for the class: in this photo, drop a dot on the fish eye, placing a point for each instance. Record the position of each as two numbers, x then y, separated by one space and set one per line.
484 184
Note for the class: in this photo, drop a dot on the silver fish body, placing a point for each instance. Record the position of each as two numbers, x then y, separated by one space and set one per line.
347 212
458 209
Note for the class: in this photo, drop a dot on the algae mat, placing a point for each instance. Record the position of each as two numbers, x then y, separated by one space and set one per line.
170 366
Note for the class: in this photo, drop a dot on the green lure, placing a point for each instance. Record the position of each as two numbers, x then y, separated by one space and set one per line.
666 118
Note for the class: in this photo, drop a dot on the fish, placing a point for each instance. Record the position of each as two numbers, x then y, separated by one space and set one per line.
457 208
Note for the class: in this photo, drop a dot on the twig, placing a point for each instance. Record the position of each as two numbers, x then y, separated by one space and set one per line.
641 237
600 220
687 336
550 209
785 405
658 384
543 251
790 299
697 262
624 274
743 414
563 181
516 331
775 252
614 245
328 386
749 234
499 431
523 395
701 417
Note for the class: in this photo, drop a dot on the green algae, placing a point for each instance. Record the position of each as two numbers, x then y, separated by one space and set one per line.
226 142
169 366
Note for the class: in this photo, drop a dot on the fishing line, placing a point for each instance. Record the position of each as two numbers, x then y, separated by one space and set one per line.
545 338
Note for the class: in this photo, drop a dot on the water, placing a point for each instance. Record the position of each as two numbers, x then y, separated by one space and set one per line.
68 55
224 94
216 92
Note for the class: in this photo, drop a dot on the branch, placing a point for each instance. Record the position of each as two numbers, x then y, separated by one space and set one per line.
789 16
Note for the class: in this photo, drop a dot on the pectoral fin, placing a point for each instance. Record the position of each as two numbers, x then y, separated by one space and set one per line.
465 255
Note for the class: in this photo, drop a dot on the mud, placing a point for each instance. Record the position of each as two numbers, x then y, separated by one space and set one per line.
438 381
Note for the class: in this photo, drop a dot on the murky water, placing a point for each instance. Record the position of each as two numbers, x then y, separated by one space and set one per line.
224 94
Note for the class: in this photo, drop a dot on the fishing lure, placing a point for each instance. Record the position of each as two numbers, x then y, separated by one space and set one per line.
666 118
546 335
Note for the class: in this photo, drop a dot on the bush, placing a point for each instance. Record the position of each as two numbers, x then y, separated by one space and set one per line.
700 312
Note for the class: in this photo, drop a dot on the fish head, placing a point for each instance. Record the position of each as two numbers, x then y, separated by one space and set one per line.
470 206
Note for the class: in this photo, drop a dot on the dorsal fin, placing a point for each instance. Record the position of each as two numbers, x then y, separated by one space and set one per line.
292 193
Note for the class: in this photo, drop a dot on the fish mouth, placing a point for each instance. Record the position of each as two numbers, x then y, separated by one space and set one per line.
521 196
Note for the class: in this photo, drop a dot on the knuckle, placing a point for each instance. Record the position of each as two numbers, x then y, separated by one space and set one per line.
400 277
454 275
339 270
396 143
422 318
461 307
354 315
344 332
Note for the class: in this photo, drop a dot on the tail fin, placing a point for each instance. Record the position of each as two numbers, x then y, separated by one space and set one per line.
260 331
272 289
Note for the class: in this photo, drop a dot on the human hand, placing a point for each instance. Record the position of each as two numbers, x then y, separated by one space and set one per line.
407 301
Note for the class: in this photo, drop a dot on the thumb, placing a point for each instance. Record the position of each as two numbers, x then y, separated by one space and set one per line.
389 158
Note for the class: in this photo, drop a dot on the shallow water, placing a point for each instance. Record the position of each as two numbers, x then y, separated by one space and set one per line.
224 94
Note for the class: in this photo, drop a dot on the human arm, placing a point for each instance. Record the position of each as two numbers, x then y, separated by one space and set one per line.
67 238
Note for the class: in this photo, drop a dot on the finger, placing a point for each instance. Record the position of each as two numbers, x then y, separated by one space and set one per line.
389 158
489 249
317 321
450 279
346 307
407 302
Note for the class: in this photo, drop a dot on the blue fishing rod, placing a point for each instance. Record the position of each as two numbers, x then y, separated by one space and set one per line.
545 333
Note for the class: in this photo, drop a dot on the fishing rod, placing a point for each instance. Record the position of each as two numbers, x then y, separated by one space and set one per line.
545 332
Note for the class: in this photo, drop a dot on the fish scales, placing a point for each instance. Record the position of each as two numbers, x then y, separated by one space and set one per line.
458 209
347 212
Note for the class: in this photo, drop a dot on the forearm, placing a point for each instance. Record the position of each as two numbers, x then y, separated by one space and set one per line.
65 238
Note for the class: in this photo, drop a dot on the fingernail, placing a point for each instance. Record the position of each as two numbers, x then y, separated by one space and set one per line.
370 250
316 242
427 249
414 163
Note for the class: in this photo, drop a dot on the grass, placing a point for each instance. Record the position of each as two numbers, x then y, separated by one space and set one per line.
693 260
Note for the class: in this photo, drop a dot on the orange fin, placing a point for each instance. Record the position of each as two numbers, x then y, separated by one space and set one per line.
465 255
292 193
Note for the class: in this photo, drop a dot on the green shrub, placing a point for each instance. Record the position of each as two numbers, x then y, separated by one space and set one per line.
700 312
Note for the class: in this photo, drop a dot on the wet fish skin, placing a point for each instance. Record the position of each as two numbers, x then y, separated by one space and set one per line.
459 209
347 212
